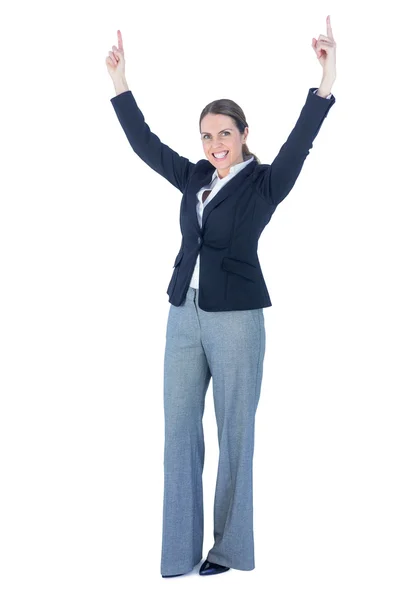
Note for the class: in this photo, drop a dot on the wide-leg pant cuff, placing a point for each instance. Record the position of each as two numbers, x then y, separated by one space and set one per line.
184 568
241 565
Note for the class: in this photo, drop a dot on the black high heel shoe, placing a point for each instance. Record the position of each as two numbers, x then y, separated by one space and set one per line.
209 568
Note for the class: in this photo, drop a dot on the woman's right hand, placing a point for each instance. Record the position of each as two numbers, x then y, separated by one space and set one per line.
116 60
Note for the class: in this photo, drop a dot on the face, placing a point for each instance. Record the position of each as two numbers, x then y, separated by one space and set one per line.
219 134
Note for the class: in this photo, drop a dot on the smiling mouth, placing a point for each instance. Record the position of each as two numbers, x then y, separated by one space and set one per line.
222 158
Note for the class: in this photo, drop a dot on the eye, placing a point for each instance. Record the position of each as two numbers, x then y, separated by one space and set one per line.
206 134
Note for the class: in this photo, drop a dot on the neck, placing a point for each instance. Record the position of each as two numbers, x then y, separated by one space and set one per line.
224 172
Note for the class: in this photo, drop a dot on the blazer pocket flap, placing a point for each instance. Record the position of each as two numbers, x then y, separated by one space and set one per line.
239 267
178 257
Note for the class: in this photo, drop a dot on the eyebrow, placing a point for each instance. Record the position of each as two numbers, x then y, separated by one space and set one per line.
226 129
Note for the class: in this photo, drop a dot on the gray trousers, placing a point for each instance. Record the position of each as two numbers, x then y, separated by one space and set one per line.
228 346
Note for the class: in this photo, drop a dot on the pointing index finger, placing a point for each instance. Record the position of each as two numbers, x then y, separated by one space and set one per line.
120 45
328 27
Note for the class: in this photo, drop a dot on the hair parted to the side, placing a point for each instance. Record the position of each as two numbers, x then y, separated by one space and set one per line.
228 107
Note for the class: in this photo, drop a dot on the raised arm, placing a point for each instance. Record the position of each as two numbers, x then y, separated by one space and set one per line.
279 177
160 157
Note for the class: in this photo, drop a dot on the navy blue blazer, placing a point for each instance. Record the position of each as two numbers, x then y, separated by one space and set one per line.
230 275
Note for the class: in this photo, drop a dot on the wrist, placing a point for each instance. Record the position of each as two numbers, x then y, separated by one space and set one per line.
325 87
120 85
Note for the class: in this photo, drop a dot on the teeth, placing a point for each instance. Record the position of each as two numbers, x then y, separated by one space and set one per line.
221 154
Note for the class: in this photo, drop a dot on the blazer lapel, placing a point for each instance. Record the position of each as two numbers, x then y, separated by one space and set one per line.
204 177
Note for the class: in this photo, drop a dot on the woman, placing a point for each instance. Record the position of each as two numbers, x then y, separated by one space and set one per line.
216 323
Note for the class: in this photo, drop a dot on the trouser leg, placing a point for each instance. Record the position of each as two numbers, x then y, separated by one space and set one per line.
234 342
186 380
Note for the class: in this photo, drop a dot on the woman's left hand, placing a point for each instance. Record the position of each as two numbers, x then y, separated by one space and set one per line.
325 49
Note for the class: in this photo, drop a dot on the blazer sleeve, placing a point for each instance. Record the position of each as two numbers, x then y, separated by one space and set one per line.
279 178
160 157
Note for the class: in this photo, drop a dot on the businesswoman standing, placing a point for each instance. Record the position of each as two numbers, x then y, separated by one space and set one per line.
215 324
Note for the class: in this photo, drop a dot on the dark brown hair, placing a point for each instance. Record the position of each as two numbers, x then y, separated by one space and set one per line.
233 110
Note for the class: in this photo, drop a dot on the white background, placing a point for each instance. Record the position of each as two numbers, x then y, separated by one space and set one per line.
88 237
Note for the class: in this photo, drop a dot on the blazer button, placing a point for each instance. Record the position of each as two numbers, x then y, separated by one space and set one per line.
199 240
